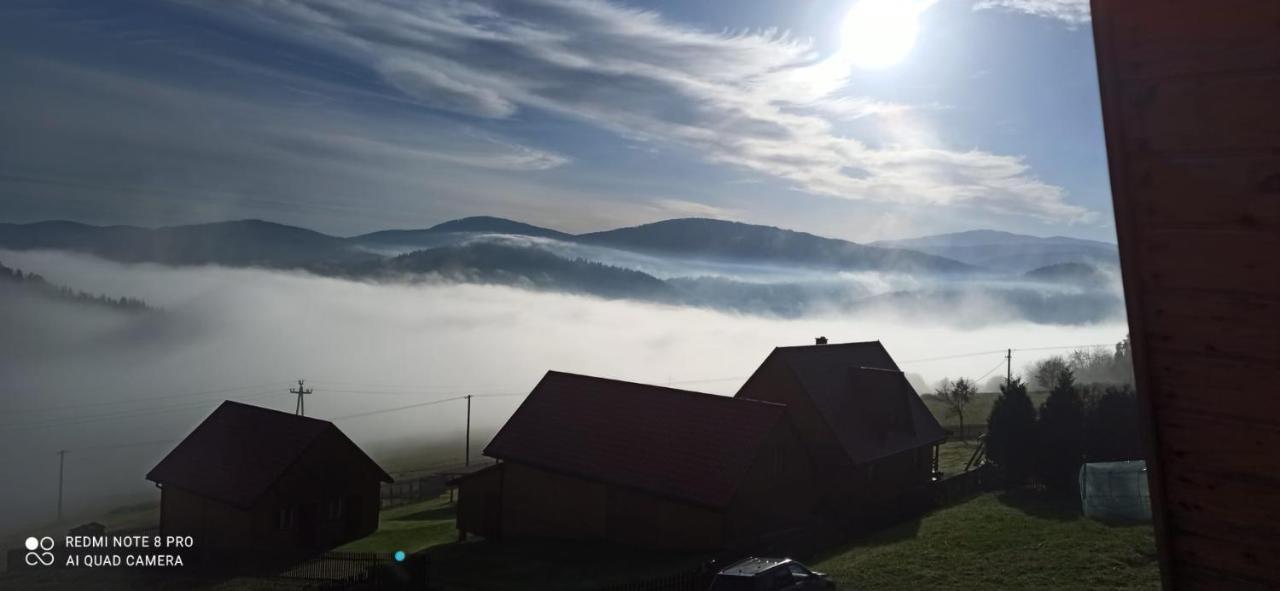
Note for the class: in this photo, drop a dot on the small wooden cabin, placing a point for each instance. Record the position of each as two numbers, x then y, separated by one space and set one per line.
589 458
253 478
870 435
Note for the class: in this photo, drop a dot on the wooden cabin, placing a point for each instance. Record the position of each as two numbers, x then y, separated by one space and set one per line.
250 478
870 435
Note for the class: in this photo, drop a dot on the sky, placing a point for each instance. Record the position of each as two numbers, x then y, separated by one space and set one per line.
861 120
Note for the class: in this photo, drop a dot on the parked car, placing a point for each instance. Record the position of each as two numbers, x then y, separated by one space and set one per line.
769 574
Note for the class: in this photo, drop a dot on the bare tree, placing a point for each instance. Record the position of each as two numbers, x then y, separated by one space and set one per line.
956 396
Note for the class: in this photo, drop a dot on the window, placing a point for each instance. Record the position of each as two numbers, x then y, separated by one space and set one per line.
287 518
335 508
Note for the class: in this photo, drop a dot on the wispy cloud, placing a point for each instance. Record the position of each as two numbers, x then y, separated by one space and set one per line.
1072 12
764 102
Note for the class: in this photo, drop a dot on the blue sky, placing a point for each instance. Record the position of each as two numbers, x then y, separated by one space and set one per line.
349 117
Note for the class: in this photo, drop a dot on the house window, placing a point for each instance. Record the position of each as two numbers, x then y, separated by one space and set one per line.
287 517
335 508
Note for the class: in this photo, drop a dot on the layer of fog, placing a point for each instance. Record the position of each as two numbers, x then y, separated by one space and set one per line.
791 291
83 379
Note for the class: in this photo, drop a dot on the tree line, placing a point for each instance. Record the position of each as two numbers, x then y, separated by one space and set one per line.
38 284
1079 421
1090 415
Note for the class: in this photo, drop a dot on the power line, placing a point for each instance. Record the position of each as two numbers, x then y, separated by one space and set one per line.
1066 347
1002 362
956 356
122 415
143 399
393 409
122 446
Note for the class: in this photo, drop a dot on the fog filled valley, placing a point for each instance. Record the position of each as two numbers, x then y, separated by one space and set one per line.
415 319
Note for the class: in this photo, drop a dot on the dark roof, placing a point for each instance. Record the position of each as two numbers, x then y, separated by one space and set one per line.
454 477
240 450
869 404
674 443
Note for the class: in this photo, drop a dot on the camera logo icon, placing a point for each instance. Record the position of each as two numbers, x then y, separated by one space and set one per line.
38 551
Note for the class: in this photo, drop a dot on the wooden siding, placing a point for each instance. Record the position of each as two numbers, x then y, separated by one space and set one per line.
537 503
331 469
1190 94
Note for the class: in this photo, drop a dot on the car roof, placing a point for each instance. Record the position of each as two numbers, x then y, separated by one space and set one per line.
750 567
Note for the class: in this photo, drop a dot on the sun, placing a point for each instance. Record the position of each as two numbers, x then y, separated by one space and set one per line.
879 33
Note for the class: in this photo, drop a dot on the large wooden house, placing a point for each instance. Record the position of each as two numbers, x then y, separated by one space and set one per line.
588 458
871 437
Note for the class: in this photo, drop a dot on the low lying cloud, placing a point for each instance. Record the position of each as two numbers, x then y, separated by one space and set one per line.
104 385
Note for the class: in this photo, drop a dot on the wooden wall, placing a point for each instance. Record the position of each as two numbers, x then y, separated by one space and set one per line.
1191 106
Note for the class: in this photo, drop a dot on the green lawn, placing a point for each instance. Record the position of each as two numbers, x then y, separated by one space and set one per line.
410 528
1016 540
953 455
518 565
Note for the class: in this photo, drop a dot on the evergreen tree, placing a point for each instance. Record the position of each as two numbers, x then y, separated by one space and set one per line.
1011 432
1061 434
1111 431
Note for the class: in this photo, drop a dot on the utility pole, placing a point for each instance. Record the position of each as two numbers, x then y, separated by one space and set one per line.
62 460
1008 372
301 409
466 458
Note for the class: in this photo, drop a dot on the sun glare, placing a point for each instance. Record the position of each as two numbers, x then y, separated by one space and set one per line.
879 33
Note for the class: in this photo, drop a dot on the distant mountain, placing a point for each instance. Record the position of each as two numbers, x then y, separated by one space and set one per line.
1005 251
237 243
447 233
529 267
1078 274
718 239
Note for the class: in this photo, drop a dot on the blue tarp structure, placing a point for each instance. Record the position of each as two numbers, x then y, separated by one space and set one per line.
1115 491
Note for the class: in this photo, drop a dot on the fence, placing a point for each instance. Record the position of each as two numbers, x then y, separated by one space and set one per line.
962 485
690 580
337 571
969 433
411 491
334 566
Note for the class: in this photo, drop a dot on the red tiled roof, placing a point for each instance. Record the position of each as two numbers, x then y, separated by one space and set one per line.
674 443
240 450
869 404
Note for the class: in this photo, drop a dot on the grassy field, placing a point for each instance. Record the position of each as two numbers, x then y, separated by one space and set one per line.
410 528
953 455
1015 540
977 411
517 565
1012 540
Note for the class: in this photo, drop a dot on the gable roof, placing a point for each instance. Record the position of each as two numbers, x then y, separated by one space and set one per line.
675 443
240 450
866 400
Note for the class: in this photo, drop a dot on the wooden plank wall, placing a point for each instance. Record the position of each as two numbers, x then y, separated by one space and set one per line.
1191 106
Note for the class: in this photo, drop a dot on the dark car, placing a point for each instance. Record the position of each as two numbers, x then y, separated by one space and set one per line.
769 574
